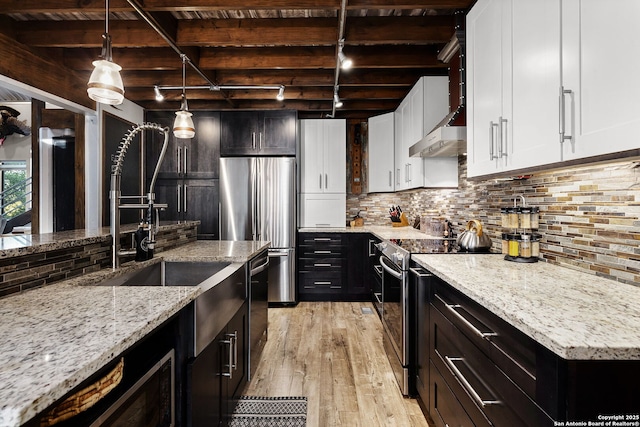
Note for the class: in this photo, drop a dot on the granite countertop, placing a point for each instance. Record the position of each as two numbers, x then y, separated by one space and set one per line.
576 315
55 337
382 231
24 244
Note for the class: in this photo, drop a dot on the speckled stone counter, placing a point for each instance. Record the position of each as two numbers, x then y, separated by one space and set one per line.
576 315
55 337
24 244
382 231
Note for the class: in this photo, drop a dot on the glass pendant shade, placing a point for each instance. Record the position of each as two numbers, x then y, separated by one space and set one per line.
183 126
105 84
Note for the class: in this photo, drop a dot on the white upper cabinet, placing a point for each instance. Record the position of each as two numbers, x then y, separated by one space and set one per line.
513 80
381 156
323 156
424 106
522 55
600 67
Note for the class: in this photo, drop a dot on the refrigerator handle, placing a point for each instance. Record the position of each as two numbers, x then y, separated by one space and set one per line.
219 220
179 201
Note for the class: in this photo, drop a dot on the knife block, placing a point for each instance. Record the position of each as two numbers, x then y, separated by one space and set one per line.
404 221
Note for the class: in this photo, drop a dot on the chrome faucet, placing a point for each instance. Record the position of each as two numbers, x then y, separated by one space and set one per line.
116 197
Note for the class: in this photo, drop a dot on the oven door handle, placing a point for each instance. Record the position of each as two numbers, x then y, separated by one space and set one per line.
392 271
260 268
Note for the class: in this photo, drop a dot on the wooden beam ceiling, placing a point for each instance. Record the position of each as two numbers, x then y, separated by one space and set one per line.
254 42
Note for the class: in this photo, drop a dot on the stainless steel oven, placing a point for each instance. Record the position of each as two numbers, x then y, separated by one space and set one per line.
399 309
394 263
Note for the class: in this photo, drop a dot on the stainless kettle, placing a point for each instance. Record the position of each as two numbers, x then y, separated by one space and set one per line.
473 239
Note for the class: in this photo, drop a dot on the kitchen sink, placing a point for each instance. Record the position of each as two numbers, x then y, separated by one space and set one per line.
168 274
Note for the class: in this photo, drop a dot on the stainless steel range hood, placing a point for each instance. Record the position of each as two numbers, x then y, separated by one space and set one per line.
449 137
445 140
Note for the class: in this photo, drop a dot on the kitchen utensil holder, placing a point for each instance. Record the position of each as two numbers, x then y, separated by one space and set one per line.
520 246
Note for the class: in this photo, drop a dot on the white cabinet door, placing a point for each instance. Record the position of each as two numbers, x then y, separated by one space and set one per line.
323 155
335 156
486 23
400 157
381 156
601 65
323 210
437 171
311 155
535 83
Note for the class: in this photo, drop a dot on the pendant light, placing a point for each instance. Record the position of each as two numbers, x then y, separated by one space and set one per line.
105 84
183 126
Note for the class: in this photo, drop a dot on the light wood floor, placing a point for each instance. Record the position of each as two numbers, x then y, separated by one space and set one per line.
332 354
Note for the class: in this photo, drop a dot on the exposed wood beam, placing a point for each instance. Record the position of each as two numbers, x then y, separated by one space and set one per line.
96 6
37 71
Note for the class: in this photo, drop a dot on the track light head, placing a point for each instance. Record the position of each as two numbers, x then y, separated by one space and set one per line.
280 96
159 95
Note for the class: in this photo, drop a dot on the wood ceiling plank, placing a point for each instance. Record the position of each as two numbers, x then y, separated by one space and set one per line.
409 4
406 29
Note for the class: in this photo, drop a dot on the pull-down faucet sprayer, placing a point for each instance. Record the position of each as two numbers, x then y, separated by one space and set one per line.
115 195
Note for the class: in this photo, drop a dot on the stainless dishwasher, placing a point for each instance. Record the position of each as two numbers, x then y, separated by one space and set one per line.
258 292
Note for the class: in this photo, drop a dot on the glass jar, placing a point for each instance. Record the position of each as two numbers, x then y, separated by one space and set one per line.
524 217
504 218
505 243
535 245
514 245
535 217
512 216
525 246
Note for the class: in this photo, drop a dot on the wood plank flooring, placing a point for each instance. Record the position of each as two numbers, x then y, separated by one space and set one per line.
332 353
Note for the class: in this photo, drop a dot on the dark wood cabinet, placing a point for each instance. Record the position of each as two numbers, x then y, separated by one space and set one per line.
334 266
188 176
218 374
247 133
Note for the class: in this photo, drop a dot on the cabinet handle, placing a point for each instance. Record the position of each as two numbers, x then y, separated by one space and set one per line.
320 185
179 201
503 152
491 140
563 122
184 160
253 140
322 252
410 174
260 140
398 177
322 283
450 361
179 158
322 239
419 272
229 342
372 247
390 178
321 264
234 339
184 197
326 181
452 309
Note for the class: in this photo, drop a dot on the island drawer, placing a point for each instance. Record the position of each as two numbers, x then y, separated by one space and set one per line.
511 350
485 392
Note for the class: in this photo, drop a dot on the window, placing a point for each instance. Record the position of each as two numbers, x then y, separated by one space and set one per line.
16 188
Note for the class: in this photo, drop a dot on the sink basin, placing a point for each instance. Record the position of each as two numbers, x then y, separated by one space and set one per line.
169 274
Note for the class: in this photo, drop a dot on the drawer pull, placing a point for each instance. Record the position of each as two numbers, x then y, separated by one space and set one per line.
322 239
322 252
319 264
419 272
450 361
322 283
452 309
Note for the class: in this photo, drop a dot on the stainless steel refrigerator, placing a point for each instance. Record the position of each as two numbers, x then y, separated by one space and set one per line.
258 202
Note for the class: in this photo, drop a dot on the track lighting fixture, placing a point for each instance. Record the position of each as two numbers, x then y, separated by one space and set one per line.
345 63
159 95
105 84
336 99
183 126
280 96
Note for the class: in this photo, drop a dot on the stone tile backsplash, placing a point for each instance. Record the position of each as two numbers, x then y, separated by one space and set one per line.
589 216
